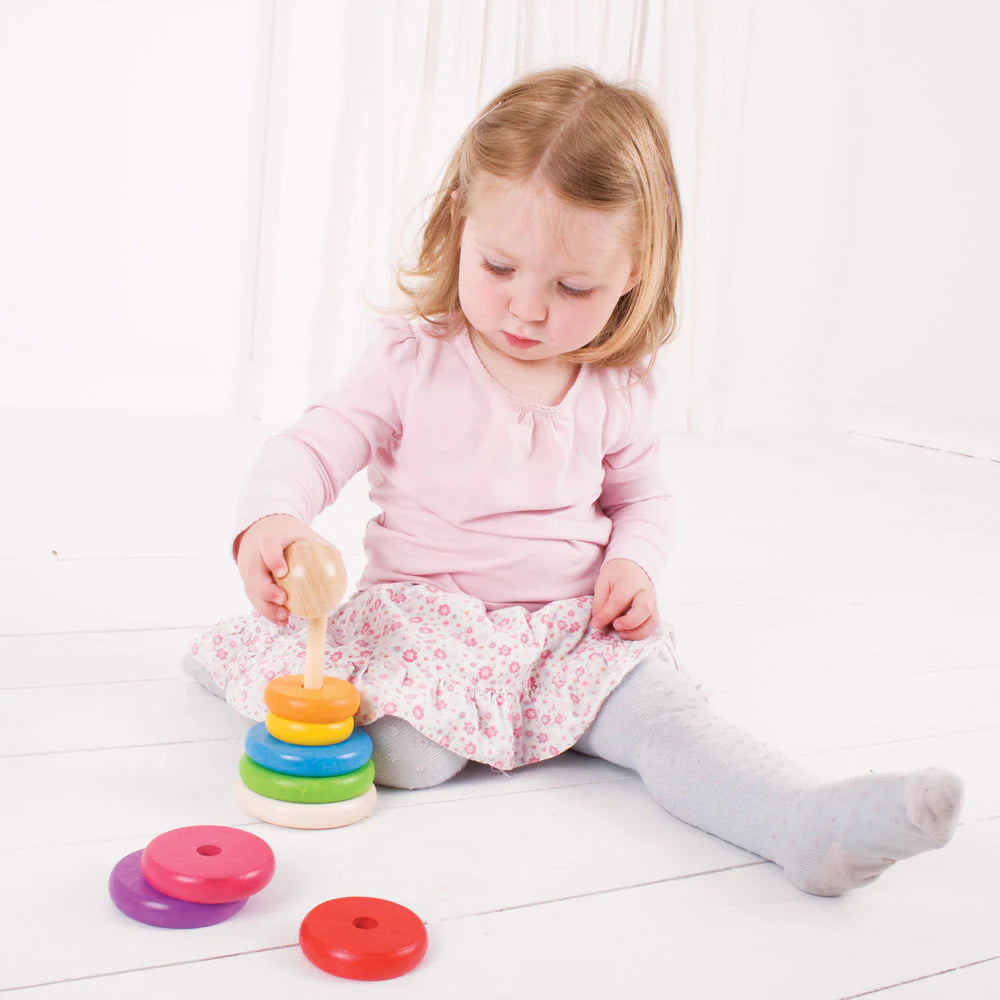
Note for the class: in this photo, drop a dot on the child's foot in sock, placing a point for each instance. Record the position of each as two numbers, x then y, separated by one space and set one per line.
844 835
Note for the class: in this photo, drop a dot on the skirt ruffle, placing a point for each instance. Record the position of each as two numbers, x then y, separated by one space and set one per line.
505 688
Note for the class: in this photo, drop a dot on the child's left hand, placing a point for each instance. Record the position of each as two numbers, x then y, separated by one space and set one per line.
623 595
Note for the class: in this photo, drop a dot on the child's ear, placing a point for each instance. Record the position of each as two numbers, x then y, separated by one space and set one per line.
633 280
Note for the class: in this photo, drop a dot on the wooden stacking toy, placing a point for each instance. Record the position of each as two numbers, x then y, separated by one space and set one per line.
193 876
305 765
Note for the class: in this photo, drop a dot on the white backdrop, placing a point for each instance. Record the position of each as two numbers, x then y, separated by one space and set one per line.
198 198
859 290
368 101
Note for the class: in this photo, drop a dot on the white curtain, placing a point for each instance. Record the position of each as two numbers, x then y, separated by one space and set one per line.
203 199
365 103
199 198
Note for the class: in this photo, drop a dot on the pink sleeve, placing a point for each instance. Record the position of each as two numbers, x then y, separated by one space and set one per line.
302 470
636 494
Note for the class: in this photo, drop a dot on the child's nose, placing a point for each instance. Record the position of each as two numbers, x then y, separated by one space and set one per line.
527 304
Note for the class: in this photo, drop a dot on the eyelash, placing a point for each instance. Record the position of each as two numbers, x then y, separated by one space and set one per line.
502 272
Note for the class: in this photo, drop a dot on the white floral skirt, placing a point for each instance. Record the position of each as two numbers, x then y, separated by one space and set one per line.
505 688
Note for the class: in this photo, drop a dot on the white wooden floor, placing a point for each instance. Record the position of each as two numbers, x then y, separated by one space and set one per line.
839 595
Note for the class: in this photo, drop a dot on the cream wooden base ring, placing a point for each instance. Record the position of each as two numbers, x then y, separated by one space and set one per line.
300 816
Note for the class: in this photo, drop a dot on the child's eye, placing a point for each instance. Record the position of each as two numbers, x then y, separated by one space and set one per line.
498 269
577 293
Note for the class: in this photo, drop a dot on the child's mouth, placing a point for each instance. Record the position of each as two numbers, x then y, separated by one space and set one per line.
520 343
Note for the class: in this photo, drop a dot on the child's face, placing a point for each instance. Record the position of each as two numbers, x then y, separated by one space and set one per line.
539 278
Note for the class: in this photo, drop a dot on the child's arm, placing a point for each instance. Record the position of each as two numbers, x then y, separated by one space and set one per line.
301 471
637 497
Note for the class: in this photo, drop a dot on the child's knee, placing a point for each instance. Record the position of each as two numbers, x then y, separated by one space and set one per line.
405 758
196 669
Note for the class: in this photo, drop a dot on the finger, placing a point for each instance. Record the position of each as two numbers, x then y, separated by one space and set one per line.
274 613
643 632
641 609
272 552
615 603
261 586
600 597
267 598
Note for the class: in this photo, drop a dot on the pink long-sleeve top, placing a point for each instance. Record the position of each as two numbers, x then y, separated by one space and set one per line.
480 492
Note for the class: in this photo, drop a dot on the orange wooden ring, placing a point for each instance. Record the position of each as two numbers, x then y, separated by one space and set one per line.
335 701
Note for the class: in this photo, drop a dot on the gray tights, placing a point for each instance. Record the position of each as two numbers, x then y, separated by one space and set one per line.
828 837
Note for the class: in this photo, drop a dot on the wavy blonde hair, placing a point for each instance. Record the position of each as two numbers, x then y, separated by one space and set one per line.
593 144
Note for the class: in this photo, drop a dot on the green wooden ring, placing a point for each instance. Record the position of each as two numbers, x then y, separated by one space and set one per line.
293 788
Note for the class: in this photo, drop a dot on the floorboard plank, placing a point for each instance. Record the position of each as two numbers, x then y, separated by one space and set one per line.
737 933
836 594
142 791
92 657
978 981
444 859
99 716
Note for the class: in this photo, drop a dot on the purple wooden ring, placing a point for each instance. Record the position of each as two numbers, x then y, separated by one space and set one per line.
137 899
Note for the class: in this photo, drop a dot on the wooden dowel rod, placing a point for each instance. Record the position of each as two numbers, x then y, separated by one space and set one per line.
315 643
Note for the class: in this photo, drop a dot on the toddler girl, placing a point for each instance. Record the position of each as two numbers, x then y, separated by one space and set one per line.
508 425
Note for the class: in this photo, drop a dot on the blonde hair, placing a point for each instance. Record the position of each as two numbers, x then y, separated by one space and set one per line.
593 144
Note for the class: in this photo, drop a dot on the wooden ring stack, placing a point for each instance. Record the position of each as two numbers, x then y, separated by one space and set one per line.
305 765
310 775
193 876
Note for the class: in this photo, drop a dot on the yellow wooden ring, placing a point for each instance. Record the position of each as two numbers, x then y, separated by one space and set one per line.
308 734
335 701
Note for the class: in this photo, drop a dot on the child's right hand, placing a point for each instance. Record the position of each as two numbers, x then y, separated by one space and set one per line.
260 557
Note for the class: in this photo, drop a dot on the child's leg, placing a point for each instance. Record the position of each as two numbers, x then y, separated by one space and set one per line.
827 837
403 757
196 669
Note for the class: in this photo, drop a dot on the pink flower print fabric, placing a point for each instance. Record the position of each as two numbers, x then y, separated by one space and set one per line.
505 688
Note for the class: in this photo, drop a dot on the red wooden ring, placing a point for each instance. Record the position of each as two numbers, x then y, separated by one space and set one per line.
208 864
361 937
335 701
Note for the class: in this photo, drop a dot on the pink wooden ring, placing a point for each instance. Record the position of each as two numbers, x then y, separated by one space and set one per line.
208 864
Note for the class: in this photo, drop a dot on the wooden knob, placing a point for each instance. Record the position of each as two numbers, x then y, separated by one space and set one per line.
315 581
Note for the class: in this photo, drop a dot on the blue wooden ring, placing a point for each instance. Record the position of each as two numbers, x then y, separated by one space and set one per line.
307 761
